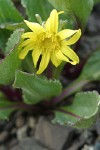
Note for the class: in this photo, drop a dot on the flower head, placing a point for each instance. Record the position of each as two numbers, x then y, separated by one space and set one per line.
47 41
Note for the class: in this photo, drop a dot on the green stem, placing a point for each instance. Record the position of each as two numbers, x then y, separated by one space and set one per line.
71 89
29 65
57 71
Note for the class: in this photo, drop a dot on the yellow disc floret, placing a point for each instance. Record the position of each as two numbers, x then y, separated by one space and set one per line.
49 43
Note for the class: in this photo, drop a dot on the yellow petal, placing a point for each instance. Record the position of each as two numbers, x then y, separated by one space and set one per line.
70 54
66 33
55 60
35 27
74 38
51 24
25 51
44 62
27 35
60 56
25 43
35 55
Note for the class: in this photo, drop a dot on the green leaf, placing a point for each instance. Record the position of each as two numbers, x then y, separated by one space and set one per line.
4 35
80 9
41 7
6 107
91 70
11 63
12 26
36 89
13 40
96 1
82 113
8 13
9 19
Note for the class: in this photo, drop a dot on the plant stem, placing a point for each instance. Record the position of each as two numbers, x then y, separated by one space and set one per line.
29 65
57 71
68 113
71 89
22 106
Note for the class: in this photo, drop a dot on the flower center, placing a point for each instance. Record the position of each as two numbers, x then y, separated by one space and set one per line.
49 42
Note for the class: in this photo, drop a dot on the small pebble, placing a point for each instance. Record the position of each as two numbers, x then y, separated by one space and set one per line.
32 122
86 147
3 136
20 121
12 143
21 133
3 148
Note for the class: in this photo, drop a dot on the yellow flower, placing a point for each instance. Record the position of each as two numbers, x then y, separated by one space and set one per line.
47 41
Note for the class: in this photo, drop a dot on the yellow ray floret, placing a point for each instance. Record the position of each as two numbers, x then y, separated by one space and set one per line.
48 42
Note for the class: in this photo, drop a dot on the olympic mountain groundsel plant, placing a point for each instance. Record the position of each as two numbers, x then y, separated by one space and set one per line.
56 91
45 40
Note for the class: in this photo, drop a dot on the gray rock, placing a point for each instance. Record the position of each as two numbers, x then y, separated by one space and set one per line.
3 148
20 121
29 144
52 136
32 122
98 125
86 147
12 143
97 146
21 133
76 145
3 136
